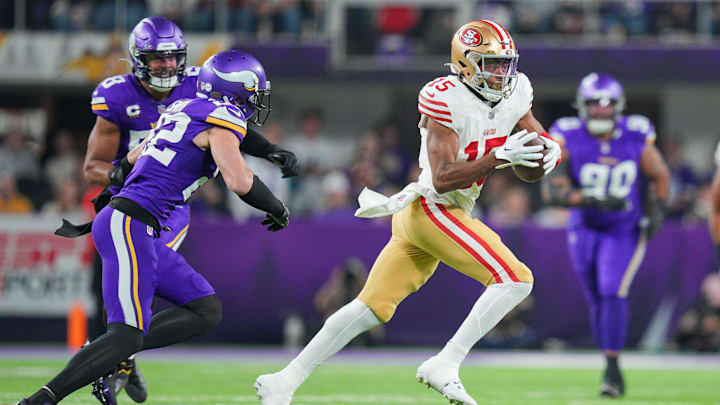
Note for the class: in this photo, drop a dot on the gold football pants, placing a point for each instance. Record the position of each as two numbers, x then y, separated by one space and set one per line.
425 233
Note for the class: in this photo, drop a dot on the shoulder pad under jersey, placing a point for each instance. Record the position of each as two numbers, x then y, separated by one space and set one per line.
220 114
641 127
109 95
436 99
563 126
524 94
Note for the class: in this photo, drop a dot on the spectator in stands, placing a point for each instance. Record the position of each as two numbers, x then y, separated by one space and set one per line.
337 203
395 45
365 170
394 160
12 202
67 15
512 209
699 327
568 20
65 160
676 20
345 283
317 154
19 156
210 200
66 203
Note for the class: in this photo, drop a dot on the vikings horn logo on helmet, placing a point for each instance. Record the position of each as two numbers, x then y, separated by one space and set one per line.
246 77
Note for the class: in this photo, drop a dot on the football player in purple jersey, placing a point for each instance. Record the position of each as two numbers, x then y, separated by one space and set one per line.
612 215
194 139
127 107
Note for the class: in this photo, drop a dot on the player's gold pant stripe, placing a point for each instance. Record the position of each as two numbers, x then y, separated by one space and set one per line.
181 233
633 266
133 256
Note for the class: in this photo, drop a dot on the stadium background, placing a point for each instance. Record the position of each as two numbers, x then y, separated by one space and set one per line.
345 77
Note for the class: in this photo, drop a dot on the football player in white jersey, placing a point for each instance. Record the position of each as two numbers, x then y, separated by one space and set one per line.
466 124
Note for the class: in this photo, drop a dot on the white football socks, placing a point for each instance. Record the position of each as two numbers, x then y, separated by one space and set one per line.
489 309
339 329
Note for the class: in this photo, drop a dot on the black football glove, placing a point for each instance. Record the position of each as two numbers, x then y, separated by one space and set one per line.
277 223
609 203
118 174
287 161
655 215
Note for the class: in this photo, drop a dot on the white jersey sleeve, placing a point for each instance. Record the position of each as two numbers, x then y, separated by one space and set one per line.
435 101
524 94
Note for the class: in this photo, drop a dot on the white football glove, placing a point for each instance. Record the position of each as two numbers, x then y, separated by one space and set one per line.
552 157
516 153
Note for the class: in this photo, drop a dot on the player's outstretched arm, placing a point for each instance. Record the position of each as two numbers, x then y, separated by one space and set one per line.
256 145
715 210
654 168
103 145
443 145
225 149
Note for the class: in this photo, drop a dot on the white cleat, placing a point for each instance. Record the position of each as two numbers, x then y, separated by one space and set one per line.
272 390
443 378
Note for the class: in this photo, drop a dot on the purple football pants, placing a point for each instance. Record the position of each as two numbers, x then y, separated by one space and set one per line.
137 266
606 262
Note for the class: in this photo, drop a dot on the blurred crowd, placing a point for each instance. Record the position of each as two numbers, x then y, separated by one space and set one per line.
262 17
44 175
384 28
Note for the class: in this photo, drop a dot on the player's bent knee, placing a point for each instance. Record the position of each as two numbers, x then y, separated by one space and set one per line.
209 309
355 315
382 308
125 339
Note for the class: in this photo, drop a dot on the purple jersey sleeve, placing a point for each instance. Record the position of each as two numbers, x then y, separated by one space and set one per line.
108 97
223 115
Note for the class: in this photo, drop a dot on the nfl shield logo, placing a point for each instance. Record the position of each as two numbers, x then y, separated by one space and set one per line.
491 115
161 108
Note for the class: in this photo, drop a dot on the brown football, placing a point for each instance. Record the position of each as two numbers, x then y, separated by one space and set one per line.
532 174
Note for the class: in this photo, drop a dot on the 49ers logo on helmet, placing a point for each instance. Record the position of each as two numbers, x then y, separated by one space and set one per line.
470 37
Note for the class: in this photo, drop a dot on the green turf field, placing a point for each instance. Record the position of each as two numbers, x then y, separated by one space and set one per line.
173 382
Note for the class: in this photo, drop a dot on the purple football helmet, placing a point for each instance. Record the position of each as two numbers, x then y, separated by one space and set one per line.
602 89
157 37
238 78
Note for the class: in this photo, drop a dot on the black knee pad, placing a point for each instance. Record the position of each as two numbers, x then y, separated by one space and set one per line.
208 308
126 339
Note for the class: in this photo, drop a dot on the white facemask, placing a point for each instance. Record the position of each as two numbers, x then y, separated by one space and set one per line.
600 127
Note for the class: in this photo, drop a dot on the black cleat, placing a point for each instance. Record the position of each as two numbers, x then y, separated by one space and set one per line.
42 397
104 390
26 401
613 385
128 376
